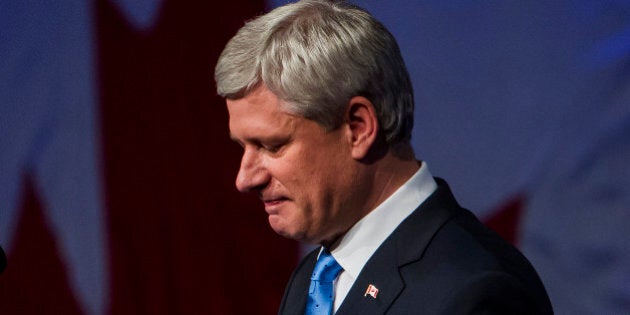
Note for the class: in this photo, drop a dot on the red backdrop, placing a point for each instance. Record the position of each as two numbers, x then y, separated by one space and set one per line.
181 239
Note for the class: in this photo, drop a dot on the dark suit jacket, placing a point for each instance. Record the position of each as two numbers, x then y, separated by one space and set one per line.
440 260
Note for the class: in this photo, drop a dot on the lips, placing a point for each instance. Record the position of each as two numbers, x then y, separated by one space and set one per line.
272 202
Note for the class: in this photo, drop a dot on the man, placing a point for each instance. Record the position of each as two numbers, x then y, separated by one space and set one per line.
320 100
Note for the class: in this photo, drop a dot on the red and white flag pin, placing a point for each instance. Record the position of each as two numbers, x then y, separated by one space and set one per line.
371 291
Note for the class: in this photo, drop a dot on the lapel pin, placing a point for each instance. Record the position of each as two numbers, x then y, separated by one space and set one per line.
371 291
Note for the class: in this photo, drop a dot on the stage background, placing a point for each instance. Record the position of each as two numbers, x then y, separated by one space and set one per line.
116 170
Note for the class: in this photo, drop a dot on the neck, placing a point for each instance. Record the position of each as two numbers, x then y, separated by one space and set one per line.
392 173
381 179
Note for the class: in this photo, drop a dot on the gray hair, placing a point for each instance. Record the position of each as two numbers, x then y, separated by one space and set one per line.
316 56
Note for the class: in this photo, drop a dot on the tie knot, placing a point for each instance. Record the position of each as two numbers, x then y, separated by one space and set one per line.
326 268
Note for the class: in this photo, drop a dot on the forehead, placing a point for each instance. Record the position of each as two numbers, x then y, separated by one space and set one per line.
257 114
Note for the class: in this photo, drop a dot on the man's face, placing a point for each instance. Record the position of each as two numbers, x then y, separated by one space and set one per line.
304 175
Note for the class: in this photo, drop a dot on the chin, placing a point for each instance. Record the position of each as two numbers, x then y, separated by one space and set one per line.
278 226
297 236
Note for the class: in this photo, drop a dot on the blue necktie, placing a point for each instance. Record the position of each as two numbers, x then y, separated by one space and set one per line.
320 293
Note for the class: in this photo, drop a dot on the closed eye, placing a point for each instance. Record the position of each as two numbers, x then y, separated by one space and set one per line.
274 146
269 145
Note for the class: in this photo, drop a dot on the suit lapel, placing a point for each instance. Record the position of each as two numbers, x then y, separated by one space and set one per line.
380 274
405 245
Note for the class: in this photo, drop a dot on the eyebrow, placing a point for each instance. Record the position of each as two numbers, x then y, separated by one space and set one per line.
233 138
260 139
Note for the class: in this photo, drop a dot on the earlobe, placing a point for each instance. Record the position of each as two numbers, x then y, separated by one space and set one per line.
363 126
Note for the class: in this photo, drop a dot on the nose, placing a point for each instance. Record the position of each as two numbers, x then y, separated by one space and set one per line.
252 175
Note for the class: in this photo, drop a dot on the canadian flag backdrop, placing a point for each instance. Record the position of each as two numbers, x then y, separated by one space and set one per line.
117 173
118 195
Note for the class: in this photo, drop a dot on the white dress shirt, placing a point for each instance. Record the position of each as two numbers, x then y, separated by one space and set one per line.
362 240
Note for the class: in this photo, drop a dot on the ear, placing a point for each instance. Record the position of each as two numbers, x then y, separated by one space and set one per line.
363 125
